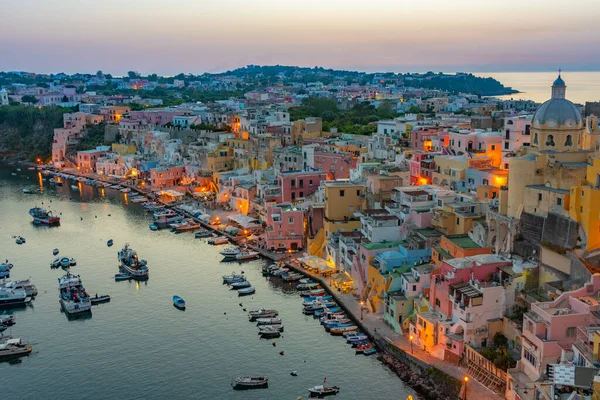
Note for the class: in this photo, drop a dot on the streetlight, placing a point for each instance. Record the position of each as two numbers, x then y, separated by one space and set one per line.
466 379
362 303
411 337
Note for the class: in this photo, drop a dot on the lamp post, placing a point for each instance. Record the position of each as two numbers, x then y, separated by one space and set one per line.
362 303
466 379
411 337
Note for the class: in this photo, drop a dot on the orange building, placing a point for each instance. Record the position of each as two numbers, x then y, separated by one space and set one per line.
456 246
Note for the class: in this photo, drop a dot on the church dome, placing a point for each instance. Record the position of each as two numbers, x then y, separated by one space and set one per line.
558 112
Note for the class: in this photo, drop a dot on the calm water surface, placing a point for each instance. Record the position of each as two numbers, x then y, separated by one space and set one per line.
581 86
139 346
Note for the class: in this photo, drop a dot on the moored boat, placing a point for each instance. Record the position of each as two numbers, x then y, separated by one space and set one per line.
307 286
12 297
240 285
103 298
55 252
246 291
230 252
26 285
65 262
372 350
202 234
72 295
292 277
41 216
5 268
13 348
343 329
179 302
312 293
131 264
268 321
268 332
248 382
20 240
122 277
262 313
246 255
322 391
7 320
229 279
218 240
109 243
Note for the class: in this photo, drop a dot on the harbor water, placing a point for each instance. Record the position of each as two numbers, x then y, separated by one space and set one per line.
139 346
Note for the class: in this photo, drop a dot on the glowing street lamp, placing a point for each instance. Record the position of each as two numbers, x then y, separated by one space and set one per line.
466 379
362 303
411 337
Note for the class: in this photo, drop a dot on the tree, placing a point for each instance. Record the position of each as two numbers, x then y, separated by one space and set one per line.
65 99
100 74
28 98
133 74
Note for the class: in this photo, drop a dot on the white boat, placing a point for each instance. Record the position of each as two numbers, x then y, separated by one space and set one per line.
139 199
230 252
125 190
246 255
131 264
74 187
268 321
72 295
27 191
26 285
13 297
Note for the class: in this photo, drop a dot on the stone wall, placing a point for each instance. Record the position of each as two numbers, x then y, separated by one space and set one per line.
560 231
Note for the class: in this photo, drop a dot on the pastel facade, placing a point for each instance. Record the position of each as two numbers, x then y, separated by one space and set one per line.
164 177
285 227
86 160
298 185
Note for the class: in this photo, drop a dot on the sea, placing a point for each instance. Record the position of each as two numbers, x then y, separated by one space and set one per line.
581 86
139 346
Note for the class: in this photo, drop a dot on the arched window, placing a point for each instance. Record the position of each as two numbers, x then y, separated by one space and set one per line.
569 141
550 140
509 122
535 138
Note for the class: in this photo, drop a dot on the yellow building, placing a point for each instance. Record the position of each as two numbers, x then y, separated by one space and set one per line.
220 159
308 128
585 204
542 175
342 200
451 220
123 149
449 170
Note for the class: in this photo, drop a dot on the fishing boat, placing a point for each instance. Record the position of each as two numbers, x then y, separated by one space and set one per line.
41 216
335 325
292 277
131 264
109 243
276 327
246 291
268 321
305 281
166 217
20 240
218 240
65 262
246 255
72 262
329 312
12 297
187 225
202 234
248 382
229 279
103 298
240 285
178 302
356 337
122 277
262 313
279 271
55 252
322 391
55 263
230 252
13 348
312 299
26 285
364 347
343 329
268 332
72 295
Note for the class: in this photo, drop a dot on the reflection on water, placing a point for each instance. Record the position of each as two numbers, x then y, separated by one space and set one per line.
139 346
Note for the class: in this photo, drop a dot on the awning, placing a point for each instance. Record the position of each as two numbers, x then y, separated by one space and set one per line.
341 277
317 263
245 221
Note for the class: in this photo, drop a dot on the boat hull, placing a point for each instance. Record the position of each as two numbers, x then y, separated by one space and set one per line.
73 308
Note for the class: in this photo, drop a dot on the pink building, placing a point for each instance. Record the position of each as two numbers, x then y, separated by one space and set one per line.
422 167
67 137
423 139
161 177
86 160
297 185
285 227
338 165
157 117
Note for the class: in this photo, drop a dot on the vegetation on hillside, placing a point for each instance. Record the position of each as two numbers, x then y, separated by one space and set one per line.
497 352
93 137
357 120
26 132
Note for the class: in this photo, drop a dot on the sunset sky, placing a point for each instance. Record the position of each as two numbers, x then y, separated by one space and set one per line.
172 36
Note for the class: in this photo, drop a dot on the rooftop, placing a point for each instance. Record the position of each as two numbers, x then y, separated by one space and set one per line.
382 245
548 189
463 241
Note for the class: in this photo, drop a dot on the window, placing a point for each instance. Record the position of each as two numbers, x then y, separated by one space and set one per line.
550 140
505 165
291 220
414 288
506 145
493 147
437 302
527 130
571 331
559 201
358 192
479 146
486 182
539 197
457 221
569 141
535 139
342 193
507 135
529 357
310 182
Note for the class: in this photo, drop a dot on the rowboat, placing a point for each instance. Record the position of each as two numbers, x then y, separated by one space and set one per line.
100 299
248 382
262 313
246 291
322 391
178 302
343 329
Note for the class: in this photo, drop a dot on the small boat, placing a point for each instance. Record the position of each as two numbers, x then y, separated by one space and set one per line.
202 234
218 240
103 298
307 286
268 321
372 350
310 300
109 243
55 263
246 291
13 348
65 262
72 262
74 187
27 191
122 277
305 281
7 320
55 252
292 277
312 293
178 302
269 333
125 190
356 337
248 382
229 279
240 285
18 169
20 240
364 347
153 227
322 391
41 216
343 329
246 255
276 327
230 252
262 313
